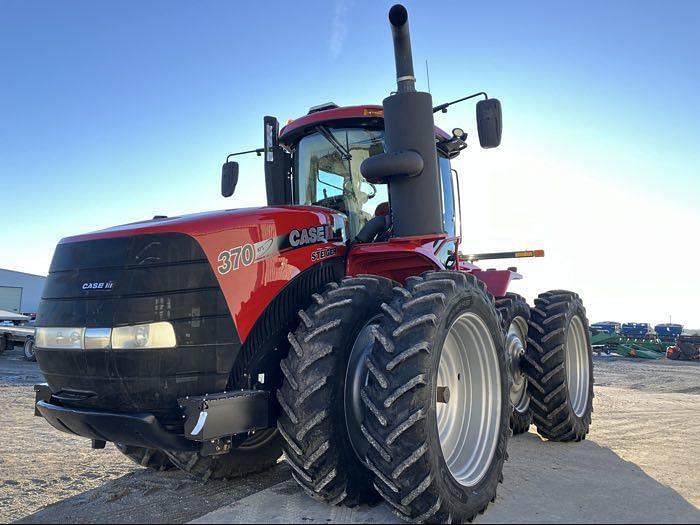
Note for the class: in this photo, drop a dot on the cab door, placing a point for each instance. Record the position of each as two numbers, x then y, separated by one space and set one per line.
450 213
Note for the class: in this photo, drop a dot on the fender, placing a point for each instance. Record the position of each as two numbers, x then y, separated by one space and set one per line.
402 257
397 259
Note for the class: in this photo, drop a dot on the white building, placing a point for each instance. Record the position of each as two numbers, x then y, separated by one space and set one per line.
20 292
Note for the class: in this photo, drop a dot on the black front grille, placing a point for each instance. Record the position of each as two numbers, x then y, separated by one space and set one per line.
134 280
164 277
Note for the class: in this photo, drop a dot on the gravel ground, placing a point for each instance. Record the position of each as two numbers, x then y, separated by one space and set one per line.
647 417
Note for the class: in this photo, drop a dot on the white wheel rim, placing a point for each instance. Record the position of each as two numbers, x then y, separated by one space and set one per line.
468 423
29 348
577 366
515 348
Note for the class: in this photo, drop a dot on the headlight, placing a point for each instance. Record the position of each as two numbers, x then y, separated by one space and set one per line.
59 337
152 335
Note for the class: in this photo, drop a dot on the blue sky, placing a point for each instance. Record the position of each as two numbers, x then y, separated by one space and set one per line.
116 111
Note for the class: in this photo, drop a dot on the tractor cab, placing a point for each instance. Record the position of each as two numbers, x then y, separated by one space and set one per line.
325 166
316 160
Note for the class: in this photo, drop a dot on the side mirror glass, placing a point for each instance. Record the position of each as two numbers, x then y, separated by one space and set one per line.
489 122
229 178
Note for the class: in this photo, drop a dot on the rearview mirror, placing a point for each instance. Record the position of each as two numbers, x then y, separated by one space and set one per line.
489 122
229 178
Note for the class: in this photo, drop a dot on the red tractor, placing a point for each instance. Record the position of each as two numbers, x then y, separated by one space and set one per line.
339 324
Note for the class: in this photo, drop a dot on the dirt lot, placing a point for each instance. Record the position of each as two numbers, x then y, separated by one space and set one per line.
640 463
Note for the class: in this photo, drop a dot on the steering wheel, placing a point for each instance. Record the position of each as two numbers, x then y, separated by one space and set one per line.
336 202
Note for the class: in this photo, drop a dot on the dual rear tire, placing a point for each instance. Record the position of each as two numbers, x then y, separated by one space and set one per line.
428 417
435 347
551 365
515 315
319 423
559 367
438 404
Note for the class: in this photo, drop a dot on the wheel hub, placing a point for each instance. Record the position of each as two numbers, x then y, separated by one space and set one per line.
515 350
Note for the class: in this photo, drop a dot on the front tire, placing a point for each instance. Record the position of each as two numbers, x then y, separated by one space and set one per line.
319 421
437 399
150 458
257 453
559 366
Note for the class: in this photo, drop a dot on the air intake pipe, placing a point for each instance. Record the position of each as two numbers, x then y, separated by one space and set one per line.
409 164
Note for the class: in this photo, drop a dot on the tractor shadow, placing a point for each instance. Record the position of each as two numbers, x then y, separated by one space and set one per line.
544 483
581 483
145 496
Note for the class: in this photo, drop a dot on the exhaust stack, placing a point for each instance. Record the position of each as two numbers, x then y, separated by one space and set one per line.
405 78
410 165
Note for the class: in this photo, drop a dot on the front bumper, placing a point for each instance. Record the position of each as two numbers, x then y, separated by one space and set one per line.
206 418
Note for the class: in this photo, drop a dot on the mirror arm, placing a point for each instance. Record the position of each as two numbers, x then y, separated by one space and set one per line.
443 107
258 152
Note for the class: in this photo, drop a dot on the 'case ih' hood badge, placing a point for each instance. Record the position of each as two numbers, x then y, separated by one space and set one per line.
249 253
104 285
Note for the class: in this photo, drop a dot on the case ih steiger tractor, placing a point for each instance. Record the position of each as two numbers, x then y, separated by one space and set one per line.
339 324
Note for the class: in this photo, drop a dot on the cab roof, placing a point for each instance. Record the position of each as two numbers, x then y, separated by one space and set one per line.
371 116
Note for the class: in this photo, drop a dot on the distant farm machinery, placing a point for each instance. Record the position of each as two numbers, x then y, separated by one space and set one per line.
687 348
635 339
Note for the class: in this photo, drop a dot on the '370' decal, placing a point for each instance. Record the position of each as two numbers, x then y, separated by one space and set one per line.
245 255
233 258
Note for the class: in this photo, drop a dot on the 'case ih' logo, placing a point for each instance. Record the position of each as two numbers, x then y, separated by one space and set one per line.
108 285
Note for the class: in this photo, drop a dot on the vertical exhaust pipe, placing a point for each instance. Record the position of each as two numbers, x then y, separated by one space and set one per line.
403 56
409 131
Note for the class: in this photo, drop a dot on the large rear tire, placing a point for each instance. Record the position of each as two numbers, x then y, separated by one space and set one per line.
437 399
259 452
319 423
515 313
150 458
559 366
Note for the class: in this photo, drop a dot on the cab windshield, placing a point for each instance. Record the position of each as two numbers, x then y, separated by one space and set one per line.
327 173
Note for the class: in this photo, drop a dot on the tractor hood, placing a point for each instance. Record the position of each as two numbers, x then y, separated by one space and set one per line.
249 255
202 224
